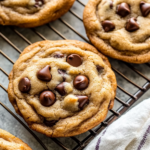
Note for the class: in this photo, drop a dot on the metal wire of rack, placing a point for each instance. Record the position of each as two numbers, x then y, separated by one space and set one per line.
125 104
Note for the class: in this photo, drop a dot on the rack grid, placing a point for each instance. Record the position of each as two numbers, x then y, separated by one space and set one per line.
113 115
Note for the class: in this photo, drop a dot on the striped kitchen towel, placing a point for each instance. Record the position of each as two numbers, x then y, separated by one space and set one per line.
130 132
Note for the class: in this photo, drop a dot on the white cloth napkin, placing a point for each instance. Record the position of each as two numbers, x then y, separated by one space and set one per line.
130 132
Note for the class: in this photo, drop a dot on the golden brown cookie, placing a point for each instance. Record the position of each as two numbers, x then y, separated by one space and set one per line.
10 142
32 13
62 88
119 28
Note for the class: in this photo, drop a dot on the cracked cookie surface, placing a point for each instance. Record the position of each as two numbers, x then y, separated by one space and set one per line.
10 142
32 13
120 28
62 88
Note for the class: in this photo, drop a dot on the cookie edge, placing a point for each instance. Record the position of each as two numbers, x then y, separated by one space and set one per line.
9 136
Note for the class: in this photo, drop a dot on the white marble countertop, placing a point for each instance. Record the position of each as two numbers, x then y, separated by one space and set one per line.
10 124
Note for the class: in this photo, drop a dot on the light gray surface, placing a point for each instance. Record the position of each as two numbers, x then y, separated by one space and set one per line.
10 124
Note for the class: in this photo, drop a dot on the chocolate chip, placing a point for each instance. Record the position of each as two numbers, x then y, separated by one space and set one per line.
47 98
111 5
145 8
39 3
81 82
74 60
50 123
132 25
123 9
62 72
108 25
61 89
99 68
83 100
44 74
24 85
58 55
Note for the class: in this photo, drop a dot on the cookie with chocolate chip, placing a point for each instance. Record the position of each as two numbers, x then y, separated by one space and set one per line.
119 28
32 13
62 88
10 142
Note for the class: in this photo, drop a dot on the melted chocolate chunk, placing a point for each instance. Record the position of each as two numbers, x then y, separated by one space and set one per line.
111 4
81 82
99 68
108 25
50 123
62 72
74 60
44 74
47 98
83 100
123 9
145 8
58 55
132 25
61 89
24 85
39 3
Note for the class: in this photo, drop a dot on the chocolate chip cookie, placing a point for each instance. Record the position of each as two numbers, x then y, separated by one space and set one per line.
62 88
120 28
10 142
31 13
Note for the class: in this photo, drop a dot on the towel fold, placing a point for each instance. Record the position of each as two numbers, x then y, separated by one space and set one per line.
130 132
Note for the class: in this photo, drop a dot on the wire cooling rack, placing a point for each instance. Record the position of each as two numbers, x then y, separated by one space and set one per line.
133 80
